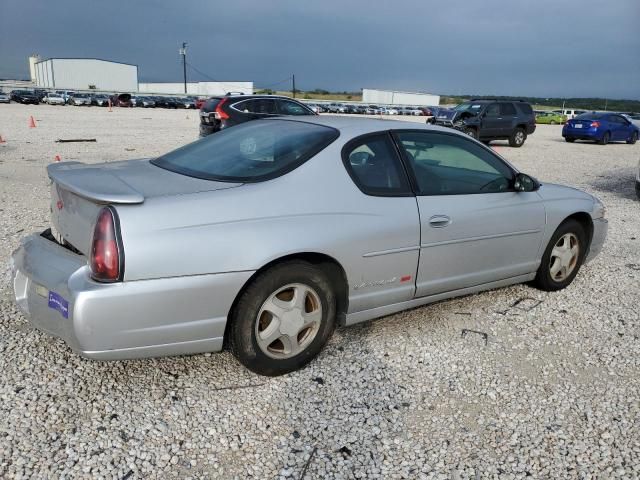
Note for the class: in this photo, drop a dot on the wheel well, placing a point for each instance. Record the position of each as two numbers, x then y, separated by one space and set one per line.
522 126
583 219
329 265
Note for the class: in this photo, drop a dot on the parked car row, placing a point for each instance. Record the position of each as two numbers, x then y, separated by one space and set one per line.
69 97
371 109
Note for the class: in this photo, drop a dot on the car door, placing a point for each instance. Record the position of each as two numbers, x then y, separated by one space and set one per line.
385 266
491 121
475 229
509 117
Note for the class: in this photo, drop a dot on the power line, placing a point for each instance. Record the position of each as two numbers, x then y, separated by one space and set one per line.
262 87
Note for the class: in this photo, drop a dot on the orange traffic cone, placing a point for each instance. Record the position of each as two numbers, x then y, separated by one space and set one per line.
57 158
2 140
32 122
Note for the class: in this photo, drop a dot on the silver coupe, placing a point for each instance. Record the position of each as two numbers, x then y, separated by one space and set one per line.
265 236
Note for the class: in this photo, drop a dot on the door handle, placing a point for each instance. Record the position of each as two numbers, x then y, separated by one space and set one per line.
439 221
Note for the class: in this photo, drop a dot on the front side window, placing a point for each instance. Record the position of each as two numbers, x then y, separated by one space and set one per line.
374 166
453 165
250 152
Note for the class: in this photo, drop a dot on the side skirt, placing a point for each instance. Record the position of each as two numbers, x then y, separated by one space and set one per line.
378 312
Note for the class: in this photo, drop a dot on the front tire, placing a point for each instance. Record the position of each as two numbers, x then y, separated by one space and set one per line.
283 319
517 138
472 132
633 139
562 258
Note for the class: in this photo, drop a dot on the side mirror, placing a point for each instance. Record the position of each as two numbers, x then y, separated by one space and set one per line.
525 183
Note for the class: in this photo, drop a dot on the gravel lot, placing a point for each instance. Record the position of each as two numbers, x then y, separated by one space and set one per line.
552 393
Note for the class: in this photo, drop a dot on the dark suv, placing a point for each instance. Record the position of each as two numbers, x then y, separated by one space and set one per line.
222 112
489 120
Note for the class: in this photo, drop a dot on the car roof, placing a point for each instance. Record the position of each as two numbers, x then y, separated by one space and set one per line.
354 126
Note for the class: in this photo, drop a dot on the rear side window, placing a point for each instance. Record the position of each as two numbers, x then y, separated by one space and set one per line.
250 152
292 108
525 108
507 109
373 164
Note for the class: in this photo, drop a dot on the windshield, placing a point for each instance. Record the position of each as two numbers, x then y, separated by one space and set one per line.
468 107
250 152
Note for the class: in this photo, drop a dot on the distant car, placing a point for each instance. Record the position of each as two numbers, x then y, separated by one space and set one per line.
147 102
569 113
121 100
222 112
551 118
633 118
4 98
79 99
488 120
268 235
187 102
24 96
388 111
134 101
54 99
100 100
199 102
600 127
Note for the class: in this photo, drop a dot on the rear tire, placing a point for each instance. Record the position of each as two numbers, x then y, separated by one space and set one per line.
472 132
517 138
271 344
569 139
559 267
605 138
633 139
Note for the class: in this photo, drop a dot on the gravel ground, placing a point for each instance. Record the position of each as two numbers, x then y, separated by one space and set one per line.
553 392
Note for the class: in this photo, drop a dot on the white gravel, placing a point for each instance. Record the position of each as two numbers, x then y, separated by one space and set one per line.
553 393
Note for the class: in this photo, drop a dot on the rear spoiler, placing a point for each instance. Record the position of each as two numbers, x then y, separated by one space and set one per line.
95 184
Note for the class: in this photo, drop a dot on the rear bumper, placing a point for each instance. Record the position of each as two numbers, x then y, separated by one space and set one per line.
600 229
160 317
582 133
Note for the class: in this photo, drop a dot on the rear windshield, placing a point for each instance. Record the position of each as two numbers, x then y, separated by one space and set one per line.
592 115
250 152
210 105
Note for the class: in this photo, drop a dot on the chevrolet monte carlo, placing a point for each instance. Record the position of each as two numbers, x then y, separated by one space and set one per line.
265 236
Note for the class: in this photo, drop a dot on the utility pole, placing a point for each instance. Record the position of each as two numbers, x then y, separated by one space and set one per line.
606 101
183 52
293 87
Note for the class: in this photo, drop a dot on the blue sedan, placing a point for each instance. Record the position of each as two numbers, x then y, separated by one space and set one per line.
600 127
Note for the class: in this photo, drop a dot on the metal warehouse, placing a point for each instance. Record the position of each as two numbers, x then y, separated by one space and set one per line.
85 74
392 97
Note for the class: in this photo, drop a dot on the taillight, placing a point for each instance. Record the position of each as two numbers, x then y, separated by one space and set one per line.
107 262
219 113
595 124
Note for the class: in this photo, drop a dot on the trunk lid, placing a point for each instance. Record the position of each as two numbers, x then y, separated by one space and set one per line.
79 191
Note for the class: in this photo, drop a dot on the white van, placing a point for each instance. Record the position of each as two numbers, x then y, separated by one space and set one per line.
569 113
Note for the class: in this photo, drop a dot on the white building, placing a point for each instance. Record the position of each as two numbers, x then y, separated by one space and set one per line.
86 74
392 97
197 88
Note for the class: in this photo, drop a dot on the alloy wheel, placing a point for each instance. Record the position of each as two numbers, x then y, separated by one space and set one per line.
288 321
564 257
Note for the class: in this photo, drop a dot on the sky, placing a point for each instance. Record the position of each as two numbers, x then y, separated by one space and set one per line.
544 48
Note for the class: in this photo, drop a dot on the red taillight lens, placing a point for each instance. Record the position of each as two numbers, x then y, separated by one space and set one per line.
219 113
106 265
595 124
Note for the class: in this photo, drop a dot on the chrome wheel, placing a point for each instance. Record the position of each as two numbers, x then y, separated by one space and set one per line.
564 257
288 321
519 137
